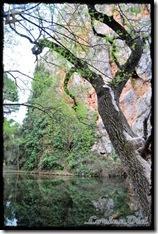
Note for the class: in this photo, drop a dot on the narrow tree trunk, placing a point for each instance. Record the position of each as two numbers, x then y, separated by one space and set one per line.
136 167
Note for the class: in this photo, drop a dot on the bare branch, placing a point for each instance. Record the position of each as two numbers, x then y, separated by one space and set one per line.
22 35
17 71
124 16
67 28
59 43
27 30
12 11
36 106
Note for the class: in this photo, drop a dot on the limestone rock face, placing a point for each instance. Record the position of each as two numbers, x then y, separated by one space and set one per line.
103 145
135 100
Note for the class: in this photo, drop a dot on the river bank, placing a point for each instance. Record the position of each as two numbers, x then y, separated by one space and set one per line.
109 174
56 173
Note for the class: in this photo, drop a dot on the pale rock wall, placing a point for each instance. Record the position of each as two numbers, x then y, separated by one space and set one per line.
135 100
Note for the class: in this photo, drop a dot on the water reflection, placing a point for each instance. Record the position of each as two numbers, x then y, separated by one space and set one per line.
33 201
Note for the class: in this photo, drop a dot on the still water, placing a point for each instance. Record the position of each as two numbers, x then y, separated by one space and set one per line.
35 201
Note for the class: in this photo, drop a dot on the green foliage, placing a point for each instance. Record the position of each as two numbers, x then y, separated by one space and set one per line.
50 163
114 156
63 141
42 80
81 111
10 91
59 138
11 132
134 10
109 38
9 128
85 163
118 79
121 202
49 141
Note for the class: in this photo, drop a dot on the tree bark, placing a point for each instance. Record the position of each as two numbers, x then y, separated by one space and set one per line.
136 167
123 139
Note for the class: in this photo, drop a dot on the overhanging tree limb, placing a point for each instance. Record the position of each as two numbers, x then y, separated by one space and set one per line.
17 71
125 72
81 66
113 24
66 81
134 42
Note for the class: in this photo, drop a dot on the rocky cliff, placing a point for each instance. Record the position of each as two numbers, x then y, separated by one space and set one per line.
135 100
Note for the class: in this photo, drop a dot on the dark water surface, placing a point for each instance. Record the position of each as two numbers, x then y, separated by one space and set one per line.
35 201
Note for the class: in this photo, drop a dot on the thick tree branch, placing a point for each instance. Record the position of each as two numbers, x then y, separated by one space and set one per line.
81 66
126 70
66 81
109 20
134 43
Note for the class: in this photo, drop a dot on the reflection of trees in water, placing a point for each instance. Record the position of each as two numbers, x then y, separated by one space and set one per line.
55 201
114 210
113 204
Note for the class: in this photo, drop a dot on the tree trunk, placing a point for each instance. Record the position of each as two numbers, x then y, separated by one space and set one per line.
124 144
123 139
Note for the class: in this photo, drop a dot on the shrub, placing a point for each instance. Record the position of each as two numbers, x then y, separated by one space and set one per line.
50 163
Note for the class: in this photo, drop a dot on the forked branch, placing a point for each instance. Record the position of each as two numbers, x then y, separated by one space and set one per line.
134 42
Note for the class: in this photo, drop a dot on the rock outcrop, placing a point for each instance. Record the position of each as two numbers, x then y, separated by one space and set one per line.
135 100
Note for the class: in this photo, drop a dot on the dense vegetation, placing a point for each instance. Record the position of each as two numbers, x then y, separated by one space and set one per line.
11 129
55 137
58 140
12 140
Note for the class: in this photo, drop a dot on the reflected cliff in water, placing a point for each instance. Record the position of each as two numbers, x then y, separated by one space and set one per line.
33 201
